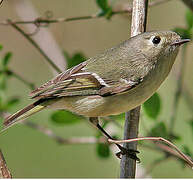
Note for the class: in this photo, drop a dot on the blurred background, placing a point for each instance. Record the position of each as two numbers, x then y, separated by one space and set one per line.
30 153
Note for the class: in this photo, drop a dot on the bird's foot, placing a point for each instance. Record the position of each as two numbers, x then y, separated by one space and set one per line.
130 152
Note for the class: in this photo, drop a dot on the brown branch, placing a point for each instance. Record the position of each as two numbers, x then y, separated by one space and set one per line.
89 140
188 3
169 152
4 171
34 44
182 155
138 25
64 141
44 21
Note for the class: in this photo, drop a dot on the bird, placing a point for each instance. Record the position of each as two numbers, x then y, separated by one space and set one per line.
112 82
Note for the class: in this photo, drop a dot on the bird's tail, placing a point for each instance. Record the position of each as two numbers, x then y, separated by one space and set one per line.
22 114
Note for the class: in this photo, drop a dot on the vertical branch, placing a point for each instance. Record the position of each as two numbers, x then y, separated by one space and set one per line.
4 171
138 25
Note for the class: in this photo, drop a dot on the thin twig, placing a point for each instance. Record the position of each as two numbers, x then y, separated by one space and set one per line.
64 141
88 140
183 156
138 25
4 171
35 45
178 92
20 78
44 21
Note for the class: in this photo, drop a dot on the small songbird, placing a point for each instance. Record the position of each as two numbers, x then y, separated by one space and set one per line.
113 82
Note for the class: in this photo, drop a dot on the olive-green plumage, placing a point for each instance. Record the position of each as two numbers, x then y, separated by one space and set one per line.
112 82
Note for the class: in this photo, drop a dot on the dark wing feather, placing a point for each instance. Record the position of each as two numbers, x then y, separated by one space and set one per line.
76 82
57 80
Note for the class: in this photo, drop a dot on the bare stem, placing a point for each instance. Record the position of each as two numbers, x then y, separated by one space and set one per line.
182 155
4 171
44 21
64 141
35 45
138 25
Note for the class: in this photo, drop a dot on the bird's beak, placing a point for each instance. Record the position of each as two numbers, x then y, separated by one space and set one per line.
181 41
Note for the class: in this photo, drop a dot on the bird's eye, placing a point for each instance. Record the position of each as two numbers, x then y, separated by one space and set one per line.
156 40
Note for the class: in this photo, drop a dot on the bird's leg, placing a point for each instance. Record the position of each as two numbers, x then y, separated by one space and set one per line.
123 151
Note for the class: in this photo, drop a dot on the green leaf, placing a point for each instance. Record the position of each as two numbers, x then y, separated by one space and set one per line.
103 4
184 33
1 47
103 150
6 59
76 59
12 102
3 81
152 106
189 19
109 13
159 130
65 118
105 8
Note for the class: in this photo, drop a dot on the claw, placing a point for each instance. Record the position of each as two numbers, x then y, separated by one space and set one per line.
130 152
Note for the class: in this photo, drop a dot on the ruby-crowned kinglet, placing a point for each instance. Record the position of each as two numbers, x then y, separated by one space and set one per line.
115 81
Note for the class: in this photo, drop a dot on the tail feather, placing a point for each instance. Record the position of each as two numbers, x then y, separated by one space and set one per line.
22 114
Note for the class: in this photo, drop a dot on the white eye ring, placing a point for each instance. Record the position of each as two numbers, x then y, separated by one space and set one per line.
155 40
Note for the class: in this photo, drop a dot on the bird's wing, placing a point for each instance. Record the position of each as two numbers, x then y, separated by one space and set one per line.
78 82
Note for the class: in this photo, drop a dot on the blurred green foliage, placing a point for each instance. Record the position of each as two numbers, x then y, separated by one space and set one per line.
65 118
75 59
5 73
159 130
103 150
152 106
105 8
